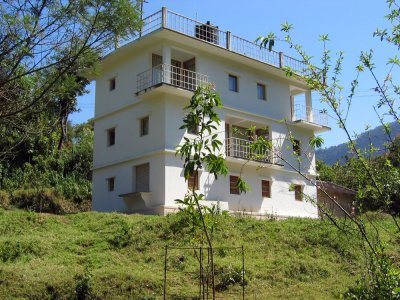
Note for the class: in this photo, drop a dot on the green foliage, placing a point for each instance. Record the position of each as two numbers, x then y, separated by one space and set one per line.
385 173
66 172
316 141
203 151
382 281
4 199
42 201
228 276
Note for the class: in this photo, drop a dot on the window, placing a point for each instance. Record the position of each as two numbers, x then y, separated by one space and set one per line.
296 147
111 184
142 178
112 84
111 136
193 181
233 180
144 126
233 83
266 188
298 192
261 91
193 130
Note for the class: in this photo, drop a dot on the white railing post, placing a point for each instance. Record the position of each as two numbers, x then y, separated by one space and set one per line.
164 17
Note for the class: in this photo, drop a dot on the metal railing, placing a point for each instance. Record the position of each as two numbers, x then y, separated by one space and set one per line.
240 148
151 23
212 34
171 75
306 113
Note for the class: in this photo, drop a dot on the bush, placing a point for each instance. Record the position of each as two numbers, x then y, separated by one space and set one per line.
46 201
4 199
381 282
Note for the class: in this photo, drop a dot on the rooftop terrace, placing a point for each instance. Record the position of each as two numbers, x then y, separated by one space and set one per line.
211 34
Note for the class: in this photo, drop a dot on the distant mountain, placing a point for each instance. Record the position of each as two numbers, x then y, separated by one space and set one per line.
338 153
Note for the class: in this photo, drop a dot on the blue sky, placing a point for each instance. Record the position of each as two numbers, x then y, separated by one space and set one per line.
349 23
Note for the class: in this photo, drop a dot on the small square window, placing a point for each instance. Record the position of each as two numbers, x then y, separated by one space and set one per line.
233 180
111 184
193 130
111 136
233 83
266 188
193 181
296 147
112 84
144 126
261 91
298 192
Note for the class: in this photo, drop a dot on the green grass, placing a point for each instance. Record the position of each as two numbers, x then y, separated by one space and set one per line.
116 256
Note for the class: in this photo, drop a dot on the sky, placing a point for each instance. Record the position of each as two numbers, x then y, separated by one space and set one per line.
349 23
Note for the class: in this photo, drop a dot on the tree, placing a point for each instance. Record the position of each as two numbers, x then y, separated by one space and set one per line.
45 49
380 178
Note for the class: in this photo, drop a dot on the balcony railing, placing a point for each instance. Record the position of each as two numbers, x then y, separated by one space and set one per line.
170 75
240 148
224 39
308 114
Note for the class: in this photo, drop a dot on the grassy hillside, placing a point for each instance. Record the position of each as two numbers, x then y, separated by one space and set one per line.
115 256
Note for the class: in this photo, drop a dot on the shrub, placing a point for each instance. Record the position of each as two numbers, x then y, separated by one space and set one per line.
381 282
4 199
228 276
46 201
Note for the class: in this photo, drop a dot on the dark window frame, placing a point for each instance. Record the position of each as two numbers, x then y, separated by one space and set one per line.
296 147
193 130
266 192
263 90
233 188
298 192
112 84
111 184
144 126
235 83
193 181
111 134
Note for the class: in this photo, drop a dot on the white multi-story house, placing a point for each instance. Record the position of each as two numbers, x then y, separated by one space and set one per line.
141 90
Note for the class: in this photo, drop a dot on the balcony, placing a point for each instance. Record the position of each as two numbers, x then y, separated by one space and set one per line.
310 118
240 148
170 75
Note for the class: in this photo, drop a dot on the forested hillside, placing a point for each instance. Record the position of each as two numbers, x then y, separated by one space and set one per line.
375 137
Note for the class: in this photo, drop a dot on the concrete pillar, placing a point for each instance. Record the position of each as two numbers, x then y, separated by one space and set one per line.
164 17
281 60
309 111
228 40
166 67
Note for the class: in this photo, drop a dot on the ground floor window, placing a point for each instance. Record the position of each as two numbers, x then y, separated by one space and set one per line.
298 192
233 180
193 181
266 188
111 184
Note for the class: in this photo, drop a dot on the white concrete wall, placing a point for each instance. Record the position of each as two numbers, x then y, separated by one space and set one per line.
124 174
281 203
